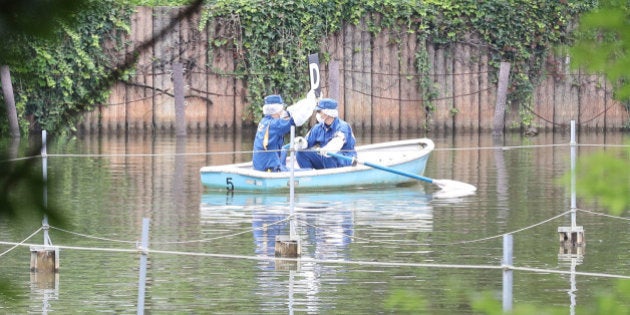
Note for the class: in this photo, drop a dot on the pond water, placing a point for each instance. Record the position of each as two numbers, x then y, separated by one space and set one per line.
364 251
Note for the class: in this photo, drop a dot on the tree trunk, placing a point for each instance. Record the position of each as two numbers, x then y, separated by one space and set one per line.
7 89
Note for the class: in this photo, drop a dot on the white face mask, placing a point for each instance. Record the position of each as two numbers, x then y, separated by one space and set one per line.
319 118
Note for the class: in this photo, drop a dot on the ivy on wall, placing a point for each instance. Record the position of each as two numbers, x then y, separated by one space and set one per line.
271 40
277 35
60 76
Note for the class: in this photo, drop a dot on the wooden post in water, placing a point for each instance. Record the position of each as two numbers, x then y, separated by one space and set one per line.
180 106
286 247
45 258
499 109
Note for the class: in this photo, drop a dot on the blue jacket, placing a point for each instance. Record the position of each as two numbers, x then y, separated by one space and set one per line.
321 134
268 143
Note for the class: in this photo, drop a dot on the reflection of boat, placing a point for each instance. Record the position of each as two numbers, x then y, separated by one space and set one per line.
408 156
327 221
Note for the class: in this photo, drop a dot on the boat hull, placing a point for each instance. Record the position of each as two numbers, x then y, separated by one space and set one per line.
408 156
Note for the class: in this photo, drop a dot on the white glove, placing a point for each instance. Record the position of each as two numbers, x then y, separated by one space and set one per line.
299 143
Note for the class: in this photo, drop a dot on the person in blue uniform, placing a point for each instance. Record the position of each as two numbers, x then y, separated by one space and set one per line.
272 128
330 134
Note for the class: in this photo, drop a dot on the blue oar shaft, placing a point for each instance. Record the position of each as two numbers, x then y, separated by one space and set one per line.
395 171
383 168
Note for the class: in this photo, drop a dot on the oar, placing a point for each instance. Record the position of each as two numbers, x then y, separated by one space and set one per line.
457 188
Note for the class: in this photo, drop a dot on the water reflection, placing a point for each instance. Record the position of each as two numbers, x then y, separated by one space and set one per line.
327 225
45 287
326 221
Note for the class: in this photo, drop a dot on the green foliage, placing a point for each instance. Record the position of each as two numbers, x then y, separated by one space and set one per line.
274 41
155 3
603 45
604 178
487 303
610 301
60 75
406 302
27 19
520 32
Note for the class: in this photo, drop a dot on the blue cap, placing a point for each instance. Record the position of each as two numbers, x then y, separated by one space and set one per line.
326 103
273 99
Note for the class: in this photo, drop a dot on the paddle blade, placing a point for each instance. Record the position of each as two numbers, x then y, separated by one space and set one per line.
453 188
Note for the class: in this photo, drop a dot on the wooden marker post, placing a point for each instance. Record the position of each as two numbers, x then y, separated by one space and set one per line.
286 247
44 259
180 102
498 122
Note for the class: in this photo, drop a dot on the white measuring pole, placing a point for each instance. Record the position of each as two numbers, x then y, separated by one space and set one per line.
292 232
507 272
44 154
573 157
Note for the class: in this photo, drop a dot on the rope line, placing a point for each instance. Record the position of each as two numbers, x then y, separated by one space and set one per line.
137 250
20 243
564 272
443 244
354 237
536 146
603 214
417 100
172 242
512 232
330 261
93 237
223 236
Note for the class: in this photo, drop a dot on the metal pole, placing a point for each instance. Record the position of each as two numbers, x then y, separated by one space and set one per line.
573 157
44 155
292 232
143 265
507 272
46 227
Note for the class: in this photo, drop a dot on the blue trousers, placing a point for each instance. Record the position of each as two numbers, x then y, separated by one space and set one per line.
312 159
